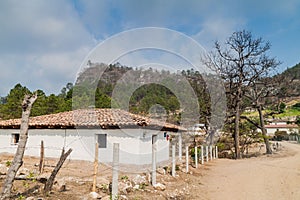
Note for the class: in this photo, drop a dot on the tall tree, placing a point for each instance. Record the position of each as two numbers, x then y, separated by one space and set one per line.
241 62
12 107
257 93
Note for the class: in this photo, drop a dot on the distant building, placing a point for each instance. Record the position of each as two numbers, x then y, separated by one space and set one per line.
281 125
198 129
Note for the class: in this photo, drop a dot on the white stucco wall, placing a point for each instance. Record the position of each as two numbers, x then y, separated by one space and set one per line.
135 144
271 131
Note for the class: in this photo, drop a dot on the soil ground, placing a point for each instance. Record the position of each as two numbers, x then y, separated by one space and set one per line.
275 176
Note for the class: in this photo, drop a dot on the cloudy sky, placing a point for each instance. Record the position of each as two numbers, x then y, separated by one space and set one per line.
43 43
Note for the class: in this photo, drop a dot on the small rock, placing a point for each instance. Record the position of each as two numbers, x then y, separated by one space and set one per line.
30 198
23 171
123 197
60 185
148 176
125 187
159 186
136 187
94 195
3 169
43 177
139 180
106 198
161 171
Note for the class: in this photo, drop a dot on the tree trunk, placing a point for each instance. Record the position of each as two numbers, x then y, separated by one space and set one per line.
263 130
237 136
18 159
237 131
42 154
50 181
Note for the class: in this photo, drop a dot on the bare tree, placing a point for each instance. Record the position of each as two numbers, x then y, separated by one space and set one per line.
18 159
240 63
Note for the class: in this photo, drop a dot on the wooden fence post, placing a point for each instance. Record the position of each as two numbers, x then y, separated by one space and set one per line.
115 177
210 152
50 181
217 156
187 158
206 153
95 167
154 149
173 161
42 155
202 159
196 157
180 146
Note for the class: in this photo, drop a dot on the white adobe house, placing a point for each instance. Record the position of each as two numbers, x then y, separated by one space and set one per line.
80 129
281 125
198 129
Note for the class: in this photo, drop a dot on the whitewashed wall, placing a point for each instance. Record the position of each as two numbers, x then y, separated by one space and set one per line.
135 144
271 131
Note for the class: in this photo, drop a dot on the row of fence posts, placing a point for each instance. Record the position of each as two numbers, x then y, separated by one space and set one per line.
207 153
294 138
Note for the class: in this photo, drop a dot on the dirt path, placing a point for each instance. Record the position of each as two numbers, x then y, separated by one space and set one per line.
261 178
266 177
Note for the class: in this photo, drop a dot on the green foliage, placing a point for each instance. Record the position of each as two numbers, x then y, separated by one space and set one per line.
298 120
280 135
124 177
21 197
282 107
8 163
192 152
12 107
293 72
296 106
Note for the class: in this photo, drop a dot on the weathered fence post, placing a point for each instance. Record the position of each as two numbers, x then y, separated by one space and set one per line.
196 157
42 155
202 159
206 153
173 161
180 146
50 181
114 191
217 156
187 158
210 152
95 167
154 149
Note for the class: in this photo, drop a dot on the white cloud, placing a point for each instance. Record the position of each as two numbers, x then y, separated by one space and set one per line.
217 28
42 44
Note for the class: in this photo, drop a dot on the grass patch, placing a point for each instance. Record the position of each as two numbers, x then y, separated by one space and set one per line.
289 113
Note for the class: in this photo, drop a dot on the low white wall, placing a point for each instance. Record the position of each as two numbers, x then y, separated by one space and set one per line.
135 144
271 131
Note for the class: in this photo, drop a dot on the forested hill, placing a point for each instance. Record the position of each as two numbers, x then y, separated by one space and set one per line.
141 101
105 78
292 80
293 72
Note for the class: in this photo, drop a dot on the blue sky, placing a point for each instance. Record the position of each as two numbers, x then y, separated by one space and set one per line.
43 43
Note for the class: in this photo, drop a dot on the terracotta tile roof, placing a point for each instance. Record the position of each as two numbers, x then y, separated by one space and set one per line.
281 126
105 118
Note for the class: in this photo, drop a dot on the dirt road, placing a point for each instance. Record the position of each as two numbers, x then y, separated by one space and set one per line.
266 177
261 178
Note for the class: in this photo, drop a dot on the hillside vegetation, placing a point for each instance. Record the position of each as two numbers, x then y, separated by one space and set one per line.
141 100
